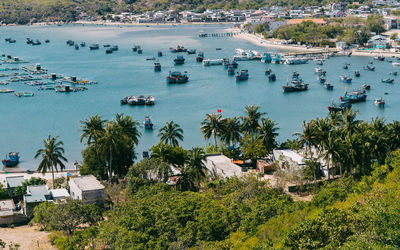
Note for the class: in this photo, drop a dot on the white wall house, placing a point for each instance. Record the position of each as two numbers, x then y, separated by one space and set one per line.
87 189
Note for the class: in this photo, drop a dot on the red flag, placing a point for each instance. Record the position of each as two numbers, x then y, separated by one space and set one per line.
219 111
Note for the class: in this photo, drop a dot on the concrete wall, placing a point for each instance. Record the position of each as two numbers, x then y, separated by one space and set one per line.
93 196
15 219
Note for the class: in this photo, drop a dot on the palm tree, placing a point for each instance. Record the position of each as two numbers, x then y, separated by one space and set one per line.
93 129
331 152
268 133
171 133
309 138
348 121
52 156
195 161
111 142
211 126
394 135
251 121
129 127
231 130
185 180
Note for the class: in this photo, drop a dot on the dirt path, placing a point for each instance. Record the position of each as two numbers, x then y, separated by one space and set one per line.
26 237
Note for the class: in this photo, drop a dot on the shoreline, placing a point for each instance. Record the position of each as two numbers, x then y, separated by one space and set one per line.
107 23
259 41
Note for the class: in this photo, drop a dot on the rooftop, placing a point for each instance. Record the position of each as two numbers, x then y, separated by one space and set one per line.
222 166
36 194
14 181
6 205
59 193
87 182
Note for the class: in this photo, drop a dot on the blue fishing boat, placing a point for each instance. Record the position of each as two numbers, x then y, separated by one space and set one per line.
94 47
11 160
177 77
178 49
328 86
179 60
147 122
267 72
141 100
242 75
234 64
387 80
357 73
191 51
266 58
276 59
322 79
354 97
157 66
337 107
159 54
370 68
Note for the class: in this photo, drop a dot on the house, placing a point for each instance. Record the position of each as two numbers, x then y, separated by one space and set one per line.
341 45
12 182
264 166
222 166
288 158
33 197
87 189
59 194
9 214
378 42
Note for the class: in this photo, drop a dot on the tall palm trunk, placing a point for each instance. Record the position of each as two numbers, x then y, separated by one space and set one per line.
110 163
215 139
52 172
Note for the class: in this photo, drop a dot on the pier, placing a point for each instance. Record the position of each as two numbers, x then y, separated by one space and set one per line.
226 34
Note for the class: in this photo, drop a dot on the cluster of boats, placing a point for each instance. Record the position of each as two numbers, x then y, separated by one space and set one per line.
141 100
35 41
138 49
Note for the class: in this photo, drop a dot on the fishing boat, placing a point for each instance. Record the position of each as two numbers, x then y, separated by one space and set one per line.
11 160
177 77
191 51
234 64
218 48
69 42
135 48
231 70
150 100
114 48
124 100
328 86
319 62
139 50
357 73
292 60
337 107
94 47
147 122
83 44
200 57
379 58
272 77
345 66
6 91
132 100
242 75
47 41
387 80
109 51
267 72
106 45
366 86
157 66
29 41
178 49
395 64
393 73
345 79
245 55
266 58
295 85
179 60
24 94
379 102
276 59
212 62
141 100
150 58
159 54
76 46
354 97
370 68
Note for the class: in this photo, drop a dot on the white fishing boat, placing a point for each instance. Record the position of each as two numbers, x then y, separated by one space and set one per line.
245 55
211 62
395 64
291 60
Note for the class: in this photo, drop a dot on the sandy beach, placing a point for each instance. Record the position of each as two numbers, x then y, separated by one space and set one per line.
108 23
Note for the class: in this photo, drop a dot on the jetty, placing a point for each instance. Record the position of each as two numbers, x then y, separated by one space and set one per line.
225 34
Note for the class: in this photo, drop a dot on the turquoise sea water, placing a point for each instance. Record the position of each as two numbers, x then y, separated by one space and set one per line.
25 122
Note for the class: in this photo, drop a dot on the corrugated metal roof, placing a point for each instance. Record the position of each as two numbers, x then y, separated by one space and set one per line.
14 181
36 194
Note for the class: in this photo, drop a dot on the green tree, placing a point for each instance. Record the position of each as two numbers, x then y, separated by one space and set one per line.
211 126
231 130
251 122
52 156
268 133
171 133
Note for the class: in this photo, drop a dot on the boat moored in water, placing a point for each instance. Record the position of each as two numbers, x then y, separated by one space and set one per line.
11 160
179 60
200 57
337 107
94 47
148 124
150 100
212 62
178 49
387 80
24 94
177 77
242 75
157 66
379 102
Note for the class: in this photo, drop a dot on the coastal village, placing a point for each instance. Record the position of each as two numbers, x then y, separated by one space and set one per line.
243 189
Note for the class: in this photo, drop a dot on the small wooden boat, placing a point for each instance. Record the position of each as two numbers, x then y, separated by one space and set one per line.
328 86
141 100
150 58
272 77
179 60
157 66
24 94
357 73
242 75
132 100
366 86
345 79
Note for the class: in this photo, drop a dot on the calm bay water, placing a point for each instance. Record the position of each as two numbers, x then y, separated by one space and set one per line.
25 122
